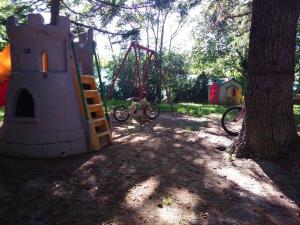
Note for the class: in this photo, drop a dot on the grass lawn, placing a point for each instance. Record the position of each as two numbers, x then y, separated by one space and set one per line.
194 109
191 109
297 114
1 113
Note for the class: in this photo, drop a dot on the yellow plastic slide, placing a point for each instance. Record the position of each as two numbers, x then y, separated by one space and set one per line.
5 64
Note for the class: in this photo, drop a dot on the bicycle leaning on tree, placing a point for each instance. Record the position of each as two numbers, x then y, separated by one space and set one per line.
232 119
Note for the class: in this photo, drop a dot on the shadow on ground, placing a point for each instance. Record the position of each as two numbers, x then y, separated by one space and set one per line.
166 171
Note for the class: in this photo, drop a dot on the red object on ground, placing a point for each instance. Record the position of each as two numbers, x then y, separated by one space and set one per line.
3 93
214 92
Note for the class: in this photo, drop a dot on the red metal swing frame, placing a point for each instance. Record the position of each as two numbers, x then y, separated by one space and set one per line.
139 78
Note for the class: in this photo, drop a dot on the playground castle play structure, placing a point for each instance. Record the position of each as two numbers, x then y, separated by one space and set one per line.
53 107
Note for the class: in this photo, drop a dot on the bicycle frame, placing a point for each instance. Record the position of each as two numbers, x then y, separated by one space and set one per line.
136 105
241 114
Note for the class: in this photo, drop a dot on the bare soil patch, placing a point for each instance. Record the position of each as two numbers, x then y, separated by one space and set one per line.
172 170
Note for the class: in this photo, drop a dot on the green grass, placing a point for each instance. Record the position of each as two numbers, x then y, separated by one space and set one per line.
194 109
1 113
191 109
111 104
199 110
297 114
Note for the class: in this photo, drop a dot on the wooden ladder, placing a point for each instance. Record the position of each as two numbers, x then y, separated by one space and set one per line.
101 133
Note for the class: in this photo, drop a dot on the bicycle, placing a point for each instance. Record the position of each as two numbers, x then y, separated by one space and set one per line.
232 119
150 109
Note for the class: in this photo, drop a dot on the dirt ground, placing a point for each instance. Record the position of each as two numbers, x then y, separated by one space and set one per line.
172 170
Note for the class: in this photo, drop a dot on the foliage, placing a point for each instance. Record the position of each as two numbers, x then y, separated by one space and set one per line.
96 14
152 19
297 58
167 201
230 152
175 68
176 71
182 85
192 90
297 114
222 38
19 8
126 85
1 113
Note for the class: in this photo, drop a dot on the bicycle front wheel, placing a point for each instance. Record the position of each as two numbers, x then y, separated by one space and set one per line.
232 120
152 110
121 113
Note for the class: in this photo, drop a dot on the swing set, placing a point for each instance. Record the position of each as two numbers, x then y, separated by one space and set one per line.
141 76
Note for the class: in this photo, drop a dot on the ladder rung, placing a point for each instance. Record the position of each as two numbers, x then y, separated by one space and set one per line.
95 107
91 93
102 134
98 122
87 79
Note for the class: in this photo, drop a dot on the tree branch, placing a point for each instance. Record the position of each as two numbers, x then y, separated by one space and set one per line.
72 11
229 16
130 32
235 16
133 6
179 26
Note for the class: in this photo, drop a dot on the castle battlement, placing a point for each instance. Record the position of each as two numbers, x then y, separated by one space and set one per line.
36 22
84 51
35 44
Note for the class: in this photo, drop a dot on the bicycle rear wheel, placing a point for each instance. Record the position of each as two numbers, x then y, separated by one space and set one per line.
152 110
121 113
232 120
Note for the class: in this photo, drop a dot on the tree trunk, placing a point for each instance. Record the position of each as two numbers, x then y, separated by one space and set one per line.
269 129
159 82
157 31
54 4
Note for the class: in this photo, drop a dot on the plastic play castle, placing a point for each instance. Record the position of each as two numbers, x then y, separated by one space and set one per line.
53 108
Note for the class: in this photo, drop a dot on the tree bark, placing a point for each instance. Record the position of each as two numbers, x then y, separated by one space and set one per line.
54 4
269 130
159 82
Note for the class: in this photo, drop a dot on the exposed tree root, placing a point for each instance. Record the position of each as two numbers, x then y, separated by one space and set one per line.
284 151
239 145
